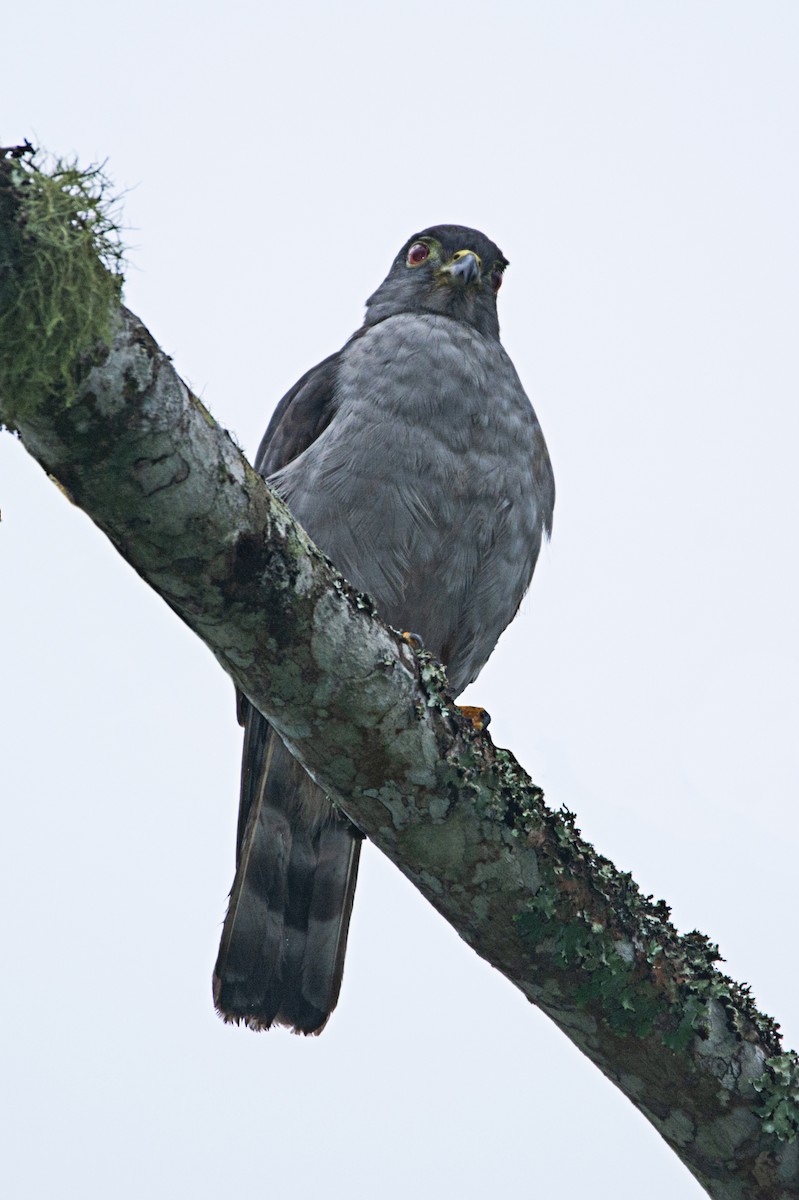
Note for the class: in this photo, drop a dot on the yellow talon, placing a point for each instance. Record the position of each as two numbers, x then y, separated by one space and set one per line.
479 718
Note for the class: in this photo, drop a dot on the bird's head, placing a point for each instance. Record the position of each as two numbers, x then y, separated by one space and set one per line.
447 269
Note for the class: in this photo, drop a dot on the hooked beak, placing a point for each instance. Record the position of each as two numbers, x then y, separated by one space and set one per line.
464 267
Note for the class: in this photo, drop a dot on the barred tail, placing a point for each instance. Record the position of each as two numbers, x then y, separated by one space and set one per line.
281 956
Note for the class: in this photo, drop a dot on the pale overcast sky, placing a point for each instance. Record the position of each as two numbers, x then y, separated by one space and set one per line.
638 165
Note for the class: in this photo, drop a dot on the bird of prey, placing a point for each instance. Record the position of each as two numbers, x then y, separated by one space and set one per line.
414 460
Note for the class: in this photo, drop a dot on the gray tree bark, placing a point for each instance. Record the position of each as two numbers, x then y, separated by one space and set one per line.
371 720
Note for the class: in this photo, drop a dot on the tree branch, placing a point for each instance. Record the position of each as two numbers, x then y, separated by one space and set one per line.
372 721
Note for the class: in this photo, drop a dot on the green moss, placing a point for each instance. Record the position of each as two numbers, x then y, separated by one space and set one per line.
641 973
434 680
779 1087
629 1000
60 278
223 475
204 413
638 972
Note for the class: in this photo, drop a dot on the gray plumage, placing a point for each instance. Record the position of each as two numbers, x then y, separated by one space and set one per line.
415 461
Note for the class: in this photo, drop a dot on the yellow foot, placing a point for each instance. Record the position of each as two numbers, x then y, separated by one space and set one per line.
479 718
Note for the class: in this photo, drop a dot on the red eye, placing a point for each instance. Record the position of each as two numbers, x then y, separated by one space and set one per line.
496 280
417 254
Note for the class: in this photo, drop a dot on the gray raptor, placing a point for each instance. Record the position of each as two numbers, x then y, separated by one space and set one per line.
414 460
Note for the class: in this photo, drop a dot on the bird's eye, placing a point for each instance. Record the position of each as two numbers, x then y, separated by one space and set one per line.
496 280
417 254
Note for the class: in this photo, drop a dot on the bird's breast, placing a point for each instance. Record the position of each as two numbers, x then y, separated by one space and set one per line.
422 489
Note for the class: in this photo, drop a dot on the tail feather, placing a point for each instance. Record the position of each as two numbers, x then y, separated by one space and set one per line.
283 943
329 915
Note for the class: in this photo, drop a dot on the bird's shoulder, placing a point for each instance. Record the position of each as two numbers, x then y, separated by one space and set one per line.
301 416
310 405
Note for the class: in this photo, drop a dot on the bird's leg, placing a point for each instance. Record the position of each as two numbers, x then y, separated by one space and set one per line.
479 718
